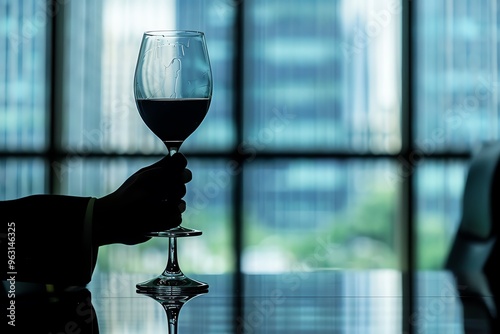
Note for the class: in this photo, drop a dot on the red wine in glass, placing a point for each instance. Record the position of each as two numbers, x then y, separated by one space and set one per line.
173 120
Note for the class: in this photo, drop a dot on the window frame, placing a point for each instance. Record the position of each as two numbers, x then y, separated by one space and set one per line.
56 154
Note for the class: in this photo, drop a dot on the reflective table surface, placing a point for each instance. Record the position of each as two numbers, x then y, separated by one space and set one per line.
297 302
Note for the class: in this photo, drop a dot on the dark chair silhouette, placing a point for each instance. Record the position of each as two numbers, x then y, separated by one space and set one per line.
474 253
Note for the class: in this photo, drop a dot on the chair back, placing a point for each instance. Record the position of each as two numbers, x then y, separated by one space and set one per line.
478 229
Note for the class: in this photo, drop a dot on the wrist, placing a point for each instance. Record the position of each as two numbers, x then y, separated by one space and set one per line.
99 219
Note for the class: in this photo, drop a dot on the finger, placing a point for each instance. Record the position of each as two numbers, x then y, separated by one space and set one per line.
178 162
187 175
162 162
175 191
163 184
135 240
159 164
182 206
153 183
157 177
165 224
174 206
171 165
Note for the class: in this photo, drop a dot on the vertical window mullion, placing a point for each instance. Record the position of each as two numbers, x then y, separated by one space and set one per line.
56 67
238 178
407 154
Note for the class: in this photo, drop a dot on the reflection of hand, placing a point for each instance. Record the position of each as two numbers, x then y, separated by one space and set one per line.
149 200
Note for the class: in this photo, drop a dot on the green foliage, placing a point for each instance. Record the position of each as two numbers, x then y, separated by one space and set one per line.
433 243
360 237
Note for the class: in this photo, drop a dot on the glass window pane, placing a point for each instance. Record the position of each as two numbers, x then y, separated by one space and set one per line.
457 74
20 177
440 306
101 55
351 302
24 68
320 214
216 19
208 209
439 188
323 75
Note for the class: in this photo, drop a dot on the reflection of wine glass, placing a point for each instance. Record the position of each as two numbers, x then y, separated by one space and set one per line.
172 304
173 91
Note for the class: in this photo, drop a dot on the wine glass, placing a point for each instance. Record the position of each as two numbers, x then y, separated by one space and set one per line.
173 91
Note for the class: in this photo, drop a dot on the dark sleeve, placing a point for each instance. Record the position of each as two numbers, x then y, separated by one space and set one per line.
49 238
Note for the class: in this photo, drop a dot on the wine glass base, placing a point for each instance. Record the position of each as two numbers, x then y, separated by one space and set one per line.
172 284
175 232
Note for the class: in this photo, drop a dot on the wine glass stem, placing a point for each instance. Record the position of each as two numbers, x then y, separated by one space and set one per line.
173 319
172 263
172 327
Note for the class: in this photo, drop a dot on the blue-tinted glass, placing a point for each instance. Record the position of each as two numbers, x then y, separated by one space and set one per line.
440 309
456 70
323 75
21 177
103 40
321 301
320 213
439 188
24 68
208 209
83 126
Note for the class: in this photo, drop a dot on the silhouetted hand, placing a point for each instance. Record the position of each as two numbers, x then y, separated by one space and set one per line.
149 200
